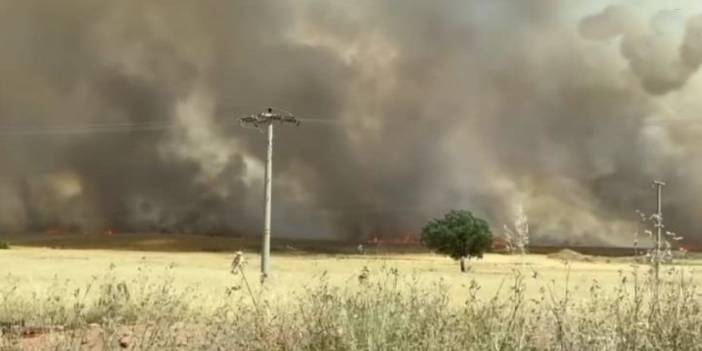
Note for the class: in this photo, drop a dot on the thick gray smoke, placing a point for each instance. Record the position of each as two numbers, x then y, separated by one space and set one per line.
411 108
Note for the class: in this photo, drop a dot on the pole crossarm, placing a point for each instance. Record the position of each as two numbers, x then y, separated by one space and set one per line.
659 182
267 117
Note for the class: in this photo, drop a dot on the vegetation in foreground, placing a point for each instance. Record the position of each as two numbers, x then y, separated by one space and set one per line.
378 310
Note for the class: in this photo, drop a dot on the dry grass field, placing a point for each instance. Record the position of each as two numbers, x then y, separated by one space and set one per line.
116 294
37 268
205 262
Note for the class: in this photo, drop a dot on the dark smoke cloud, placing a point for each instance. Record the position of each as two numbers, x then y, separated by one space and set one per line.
651 54
412 108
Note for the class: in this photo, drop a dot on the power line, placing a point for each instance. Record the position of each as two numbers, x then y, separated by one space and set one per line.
150 126
670 121
91 128
86 128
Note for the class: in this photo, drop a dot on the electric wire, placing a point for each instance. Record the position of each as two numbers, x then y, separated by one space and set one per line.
153 126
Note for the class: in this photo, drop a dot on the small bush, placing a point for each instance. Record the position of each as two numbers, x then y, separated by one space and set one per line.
4 246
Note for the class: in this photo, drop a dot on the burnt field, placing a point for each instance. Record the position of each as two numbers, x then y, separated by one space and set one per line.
223 243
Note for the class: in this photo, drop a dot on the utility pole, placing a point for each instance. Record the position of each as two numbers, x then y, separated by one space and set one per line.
267 119
659 223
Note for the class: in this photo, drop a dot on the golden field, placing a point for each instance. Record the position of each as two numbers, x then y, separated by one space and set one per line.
166 292
35 268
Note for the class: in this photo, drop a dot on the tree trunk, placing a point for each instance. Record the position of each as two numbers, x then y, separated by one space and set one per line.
462 260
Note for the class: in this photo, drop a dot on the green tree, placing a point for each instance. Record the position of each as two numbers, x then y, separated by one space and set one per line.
459 235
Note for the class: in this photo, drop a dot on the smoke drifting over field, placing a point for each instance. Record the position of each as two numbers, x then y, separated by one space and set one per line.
413 107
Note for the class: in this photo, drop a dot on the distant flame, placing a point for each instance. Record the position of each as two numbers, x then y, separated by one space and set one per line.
500 244
407 239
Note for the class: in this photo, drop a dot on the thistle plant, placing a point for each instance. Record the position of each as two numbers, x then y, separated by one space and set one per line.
661 251
656 255
237 267
518 234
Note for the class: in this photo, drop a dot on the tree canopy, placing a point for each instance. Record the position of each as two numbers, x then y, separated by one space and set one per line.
459 235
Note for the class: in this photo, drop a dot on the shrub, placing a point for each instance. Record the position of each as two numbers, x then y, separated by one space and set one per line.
4 246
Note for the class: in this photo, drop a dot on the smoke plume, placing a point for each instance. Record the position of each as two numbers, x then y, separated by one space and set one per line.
409 108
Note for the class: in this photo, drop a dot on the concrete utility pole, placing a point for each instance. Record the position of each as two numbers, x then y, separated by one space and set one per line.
267 119
659 223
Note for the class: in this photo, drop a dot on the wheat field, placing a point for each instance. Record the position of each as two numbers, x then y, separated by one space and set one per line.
99 299
38 268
